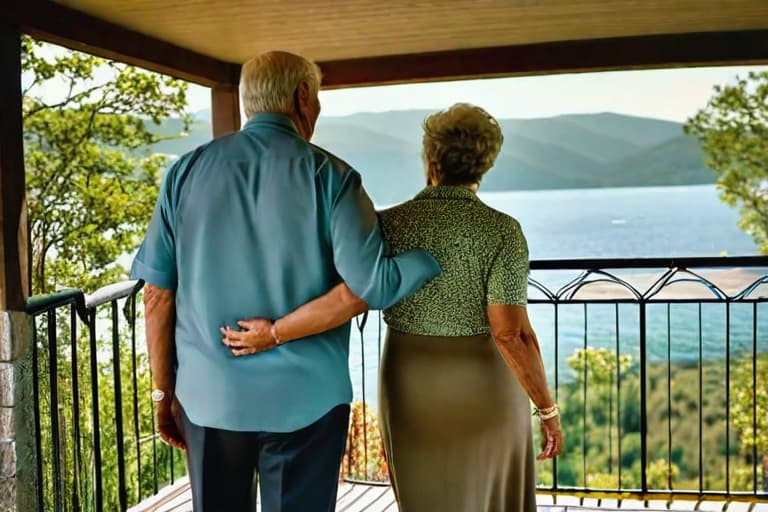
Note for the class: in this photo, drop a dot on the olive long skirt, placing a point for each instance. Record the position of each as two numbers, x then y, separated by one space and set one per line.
456 425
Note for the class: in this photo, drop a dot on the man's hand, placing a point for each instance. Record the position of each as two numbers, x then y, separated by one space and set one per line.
255 336
551 439
166 413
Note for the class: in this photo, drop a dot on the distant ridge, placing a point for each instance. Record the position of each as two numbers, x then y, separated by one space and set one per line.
568 151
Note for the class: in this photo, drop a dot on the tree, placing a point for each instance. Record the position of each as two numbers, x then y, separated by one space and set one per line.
91 179
91 186
749 413
599 369
733 130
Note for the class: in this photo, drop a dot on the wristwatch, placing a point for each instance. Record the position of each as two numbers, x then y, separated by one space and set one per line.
157 395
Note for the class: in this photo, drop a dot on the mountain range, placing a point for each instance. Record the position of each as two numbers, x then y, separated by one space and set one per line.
567 151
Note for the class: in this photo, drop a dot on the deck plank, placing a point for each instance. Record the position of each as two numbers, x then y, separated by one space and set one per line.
347 503
381 502
355 497
181 503
350 498
366 500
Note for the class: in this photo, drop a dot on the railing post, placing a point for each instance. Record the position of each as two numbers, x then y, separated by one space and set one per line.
643 400
18 461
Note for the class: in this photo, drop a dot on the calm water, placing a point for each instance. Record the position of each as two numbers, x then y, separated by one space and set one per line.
617 223
625 222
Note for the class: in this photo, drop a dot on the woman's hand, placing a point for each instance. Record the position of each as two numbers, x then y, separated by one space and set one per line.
551 439
255 336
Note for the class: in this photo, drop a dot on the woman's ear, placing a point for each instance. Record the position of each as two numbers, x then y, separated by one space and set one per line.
430 169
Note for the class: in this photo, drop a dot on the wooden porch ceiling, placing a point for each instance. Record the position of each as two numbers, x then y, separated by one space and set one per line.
235 30
360 42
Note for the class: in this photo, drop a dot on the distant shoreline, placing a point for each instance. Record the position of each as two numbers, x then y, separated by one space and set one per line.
580 190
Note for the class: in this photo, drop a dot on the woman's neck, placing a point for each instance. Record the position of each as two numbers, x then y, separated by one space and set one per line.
469 186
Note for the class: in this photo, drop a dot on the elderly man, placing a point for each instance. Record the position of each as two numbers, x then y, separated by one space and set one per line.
260 222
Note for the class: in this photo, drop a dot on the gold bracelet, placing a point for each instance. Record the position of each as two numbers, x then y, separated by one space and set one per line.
548 412
549 415
275 337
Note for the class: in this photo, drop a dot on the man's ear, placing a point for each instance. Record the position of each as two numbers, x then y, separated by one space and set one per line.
302 96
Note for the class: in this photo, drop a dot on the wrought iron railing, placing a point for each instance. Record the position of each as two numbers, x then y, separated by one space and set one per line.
635 355
95 433
660 369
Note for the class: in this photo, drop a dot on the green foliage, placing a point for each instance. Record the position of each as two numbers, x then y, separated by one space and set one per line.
76 446
733 129
743 401
598 365
602 427
91 186
662 474
91 180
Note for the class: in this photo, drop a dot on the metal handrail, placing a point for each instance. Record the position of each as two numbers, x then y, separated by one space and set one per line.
671 270
565 298
650 263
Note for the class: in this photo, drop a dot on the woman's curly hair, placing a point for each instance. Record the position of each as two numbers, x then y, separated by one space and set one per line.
461 143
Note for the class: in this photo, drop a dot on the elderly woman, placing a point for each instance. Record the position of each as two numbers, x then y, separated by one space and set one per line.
455 419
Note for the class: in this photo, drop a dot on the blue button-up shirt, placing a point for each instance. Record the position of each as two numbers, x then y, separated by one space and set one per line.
256 224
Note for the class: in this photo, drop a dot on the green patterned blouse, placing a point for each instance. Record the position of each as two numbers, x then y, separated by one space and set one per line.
483 254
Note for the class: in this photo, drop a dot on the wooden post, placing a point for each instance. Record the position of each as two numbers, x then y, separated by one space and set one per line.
225 109
14 264
18 458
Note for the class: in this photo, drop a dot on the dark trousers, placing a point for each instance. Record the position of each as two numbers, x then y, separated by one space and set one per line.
296 471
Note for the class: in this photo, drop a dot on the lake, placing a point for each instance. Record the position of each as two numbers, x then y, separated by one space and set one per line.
625 222
616 223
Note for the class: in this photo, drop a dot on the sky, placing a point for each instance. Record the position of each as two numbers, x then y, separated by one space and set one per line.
673 94
670 94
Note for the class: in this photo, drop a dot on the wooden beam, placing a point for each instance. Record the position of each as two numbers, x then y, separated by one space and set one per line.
56 23
14 241
638 52
225 110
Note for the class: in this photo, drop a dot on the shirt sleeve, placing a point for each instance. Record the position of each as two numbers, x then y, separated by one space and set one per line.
508 278
155 262
359 251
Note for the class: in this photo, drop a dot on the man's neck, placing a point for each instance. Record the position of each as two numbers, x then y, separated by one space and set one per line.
297 124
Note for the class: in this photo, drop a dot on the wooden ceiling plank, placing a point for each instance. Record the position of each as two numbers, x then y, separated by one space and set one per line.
374 61
55 23
235 30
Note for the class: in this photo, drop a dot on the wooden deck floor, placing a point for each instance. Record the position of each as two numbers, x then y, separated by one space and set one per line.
351 498
373 498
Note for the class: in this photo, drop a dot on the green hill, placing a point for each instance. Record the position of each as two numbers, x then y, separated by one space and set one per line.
563 132
569 151
641 131
677 161
390 167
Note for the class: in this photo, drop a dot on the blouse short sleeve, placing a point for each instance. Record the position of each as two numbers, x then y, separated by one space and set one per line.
508 276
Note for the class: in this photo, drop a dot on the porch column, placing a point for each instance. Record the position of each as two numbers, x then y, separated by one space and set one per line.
225 109
18 463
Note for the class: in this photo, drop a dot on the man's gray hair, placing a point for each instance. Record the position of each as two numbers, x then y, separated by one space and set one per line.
269 80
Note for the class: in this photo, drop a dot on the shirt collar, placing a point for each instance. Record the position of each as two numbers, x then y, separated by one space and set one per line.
446 192
262 119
